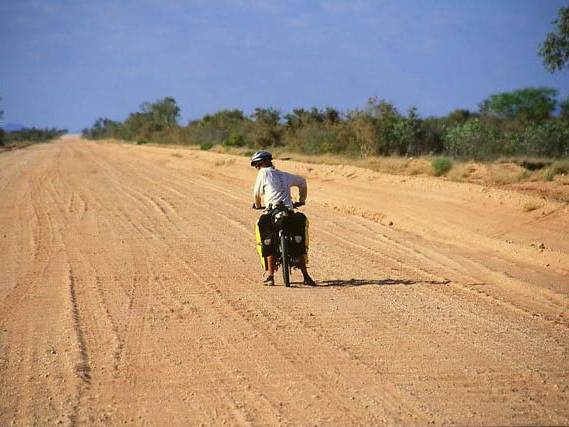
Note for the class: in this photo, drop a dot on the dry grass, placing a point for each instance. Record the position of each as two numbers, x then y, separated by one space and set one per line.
224 162
506 173
463 171
394 165
236 151
560 167
390 165
530 206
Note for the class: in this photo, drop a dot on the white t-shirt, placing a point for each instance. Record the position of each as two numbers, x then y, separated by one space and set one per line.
275 185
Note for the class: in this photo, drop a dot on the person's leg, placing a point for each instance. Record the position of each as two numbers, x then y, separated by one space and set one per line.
271 265
270 280
306 277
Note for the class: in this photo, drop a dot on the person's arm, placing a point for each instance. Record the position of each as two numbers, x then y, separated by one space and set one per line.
258 190
300 182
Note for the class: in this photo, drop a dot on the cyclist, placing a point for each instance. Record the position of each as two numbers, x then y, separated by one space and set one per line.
273 186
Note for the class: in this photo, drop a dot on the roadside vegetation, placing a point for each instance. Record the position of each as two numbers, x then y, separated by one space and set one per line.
26 136
519 125
526 129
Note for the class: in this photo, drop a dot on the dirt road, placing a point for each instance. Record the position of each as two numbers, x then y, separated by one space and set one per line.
130 293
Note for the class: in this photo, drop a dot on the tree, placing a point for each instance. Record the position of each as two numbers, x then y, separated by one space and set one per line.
555 48
386 119
140 126
295 119
457 117
408 133
224 119
472 139
528 104
381 108
331 115
266 127
564 109
35 135
103 128
363 128
268 116
301 117
433 130
164 113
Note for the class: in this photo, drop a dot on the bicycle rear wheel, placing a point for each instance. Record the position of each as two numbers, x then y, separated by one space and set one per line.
285 264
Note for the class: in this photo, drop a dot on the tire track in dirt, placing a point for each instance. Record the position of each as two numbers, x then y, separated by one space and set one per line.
417 252
273 341
158 266
126 350
294 357
242 415
41 242
549 302
431 273
289 355
31 296
438 288
82 368
552 302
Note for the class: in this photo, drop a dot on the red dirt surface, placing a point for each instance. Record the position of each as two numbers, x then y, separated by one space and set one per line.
130 292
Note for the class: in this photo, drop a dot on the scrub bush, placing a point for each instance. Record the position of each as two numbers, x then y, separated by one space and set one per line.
441 165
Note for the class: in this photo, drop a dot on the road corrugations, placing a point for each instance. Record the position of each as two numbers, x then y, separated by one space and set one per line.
130 292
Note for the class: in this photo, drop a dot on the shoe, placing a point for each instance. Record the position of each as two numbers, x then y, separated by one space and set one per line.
269 281
309 282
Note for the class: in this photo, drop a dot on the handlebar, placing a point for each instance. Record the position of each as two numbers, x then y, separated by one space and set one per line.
294 205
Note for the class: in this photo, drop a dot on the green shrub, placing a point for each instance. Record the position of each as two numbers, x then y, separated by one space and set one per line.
32 135
548 140
472 139
441 165
234 140
313 139
378 130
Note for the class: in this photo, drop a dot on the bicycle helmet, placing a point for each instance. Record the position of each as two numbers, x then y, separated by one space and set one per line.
261 156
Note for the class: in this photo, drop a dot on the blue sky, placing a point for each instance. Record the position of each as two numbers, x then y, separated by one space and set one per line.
64 63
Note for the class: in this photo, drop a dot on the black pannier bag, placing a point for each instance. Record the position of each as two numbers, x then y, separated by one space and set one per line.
297 224
266 236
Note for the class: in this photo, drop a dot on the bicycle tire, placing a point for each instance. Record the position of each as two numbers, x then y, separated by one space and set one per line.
285 260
